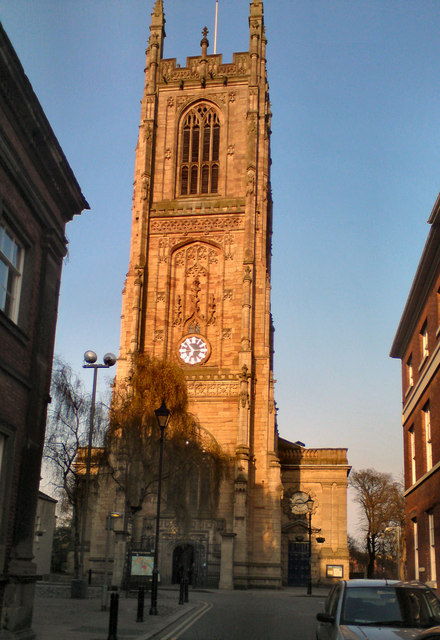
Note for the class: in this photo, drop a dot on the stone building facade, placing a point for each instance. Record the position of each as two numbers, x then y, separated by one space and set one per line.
197 293
417 345
198 286
38 196
319 474
45 521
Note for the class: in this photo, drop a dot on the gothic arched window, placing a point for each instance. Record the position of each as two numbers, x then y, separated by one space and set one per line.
199 151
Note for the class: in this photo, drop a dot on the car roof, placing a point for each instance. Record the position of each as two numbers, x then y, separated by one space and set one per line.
350 584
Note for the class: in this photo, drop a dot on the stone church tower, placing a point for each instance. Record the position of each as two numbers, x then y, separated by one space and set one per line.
198 286
197 293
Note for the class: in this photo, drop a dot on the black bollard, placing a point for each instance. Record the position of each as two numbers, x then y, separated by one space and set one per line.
181 590
140 611
113 618
90 576
186 589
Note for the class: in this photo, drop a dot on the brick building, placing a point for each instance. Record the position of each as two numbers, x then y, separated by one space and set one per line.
38 196
417 345
197 292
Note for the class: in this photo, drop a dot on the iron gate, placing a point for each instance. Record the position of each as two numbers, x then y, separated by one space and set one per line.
298 564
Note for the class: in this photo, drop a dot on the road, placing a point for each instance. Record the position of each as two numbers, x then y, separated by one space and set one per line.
249 615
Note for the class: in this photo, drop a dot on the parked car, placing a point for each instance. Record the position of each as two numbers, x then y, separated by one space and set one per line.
430 634
378 610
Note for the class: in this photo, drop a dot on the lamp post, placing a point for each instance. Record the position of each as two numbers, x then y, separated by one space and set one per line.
109 526
90 358
163 415
309 503
397 529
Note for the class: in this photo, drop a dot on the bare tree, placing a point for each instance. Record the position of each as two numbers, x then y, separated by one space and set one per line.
66 434
394 532
358 556
381 502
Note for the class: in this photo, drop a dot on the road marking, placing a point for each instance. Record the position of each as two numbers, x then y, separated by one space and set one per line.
186 624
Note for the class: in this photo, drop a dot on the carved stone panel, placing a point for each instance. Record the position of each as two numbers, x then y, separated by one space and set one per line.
196 290
196 224
212 389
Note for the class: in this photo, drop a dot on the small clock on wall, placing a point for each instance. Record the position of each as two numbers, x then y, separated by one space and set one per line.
299 503
194 349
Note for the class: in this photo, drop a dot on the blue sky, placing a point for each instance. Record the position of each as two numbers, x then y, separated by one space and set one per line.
355 98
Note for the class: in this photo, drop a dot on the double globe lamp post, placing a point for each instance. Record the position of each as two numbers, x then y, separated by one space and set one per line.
90 359
163 415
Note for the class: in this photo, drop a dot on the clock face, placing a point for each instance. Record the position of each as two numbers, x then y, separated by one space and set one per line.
298 502
193 350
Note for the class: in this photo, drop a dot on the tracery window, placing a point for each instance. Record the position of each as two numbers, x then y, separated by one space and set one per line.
199 151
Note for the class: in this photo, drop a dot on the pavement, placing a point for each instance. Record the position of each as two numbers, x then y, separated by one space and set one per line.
59 617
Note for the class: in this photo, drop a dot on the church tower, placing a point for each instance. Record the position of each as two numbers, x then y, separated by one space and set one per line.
198 287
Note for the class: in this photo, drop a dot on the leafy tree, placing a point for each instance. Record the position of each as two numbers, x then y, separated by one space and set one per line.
132 440
66 434
382 507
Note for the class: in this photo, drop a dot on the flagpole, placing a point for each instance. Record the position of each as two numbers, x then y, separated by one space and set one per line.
215 28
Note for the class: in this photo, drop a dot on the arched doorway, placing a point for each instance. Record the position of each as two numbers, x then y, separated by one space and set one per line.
183 562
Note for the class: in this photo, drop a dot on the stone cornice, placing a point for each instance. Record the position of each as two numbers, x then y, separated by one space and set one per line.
313 457
212 385
12 372
423 382
29 191
170 73
423 479
316 467
26 116
435 213
197 206
197 224
426 273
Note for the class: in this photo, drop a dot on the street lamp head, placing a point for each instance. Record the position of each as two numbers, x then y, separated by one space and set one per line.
90 357
163 415
309 503
109 359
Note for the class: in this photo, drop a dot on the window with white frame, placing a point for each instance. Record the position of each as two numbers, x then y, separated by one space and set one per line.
2 450
438 313
410 371
426 412
412 453
416 549
433 572
424 340
11 269
2 464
